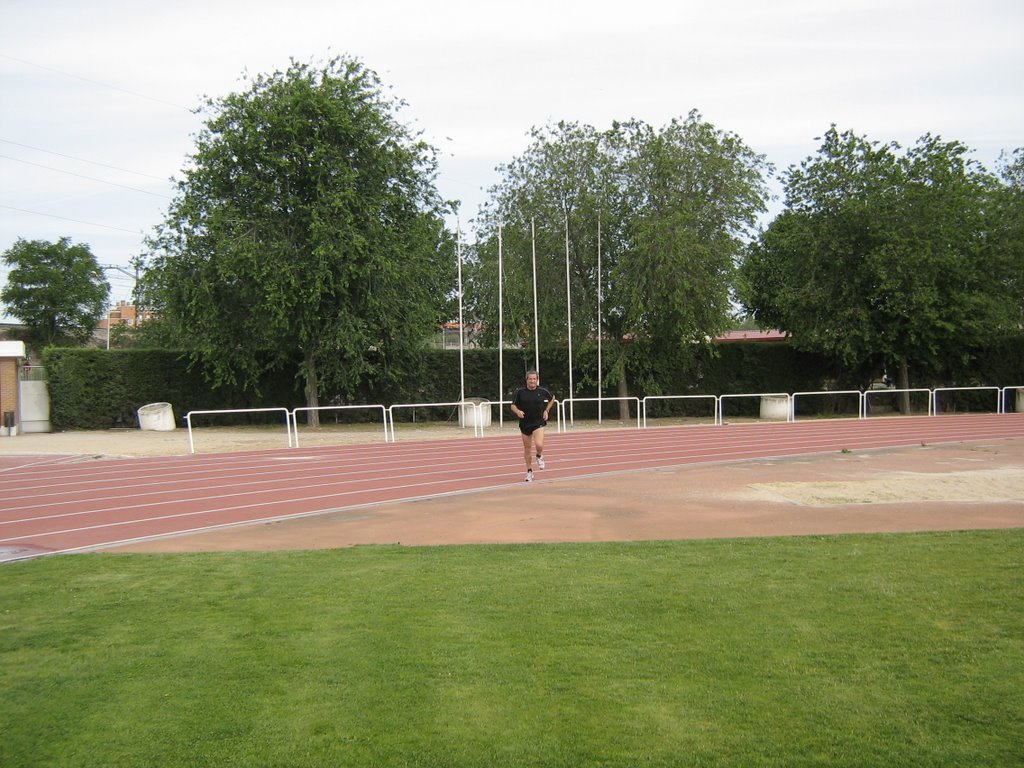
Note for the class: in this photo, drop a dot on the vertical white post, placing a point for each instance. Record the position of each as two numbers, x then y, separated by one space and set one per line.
462 366
568 314
536 325
600 281
501 338
110 314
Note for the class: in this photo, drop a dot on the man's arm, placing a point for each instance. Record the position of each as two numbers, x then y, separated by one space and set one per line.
515 409
550 405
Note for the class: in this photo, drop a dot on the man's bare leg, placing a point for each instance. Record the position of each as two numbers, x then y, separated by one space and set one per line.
528 451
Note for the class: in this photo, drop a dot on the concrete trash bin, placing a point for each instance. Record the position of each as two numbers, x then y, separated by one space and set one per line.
775 407
472 416
1020 400
158 417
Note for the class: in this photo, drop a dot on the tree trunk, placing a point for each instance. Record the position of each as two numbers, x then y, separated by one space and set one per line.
904 384
312 394
623 404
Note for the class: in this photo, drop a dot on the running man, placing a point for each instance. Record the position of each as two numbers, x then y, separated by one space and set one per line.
532 404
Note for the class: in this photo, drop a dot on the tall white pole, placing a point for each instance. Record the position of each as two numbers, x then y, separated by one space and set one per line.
501 339
462 365
536 325
600 281
568 314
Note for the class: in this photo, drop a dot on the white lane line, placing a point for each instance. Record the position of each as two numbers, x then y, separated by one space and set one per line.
902 439
235 508
629 455
255 463
589 469
357 471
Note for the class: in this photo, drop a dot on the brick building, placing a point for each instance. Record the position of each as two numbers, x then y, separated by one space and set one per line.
122 314
12 354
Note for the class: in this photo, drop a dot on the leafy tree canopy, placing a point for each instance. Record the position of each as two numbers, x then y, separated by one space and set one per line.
308 220
885 252
647 222
1010 232
57 290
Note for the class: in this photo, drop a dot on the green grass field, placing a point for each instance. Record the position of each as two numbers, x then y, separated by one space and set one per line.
885 650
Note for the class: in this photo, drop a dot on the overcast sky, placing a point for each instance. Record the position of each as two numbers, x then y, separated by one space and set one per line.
97 97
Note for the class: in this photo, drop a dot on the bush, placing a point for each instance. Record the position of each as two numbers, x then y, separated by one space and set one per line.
102 389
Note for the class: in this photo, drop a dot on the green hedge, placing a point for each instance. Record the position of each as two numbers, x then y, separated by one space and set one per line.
101 389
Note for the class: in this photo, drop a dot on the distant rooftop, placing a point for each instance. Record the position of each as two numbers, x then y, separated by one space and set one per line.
12 349
730 336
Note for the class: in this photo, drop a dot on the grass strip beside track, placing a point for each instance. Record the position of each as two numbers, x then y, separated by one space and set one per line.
874 650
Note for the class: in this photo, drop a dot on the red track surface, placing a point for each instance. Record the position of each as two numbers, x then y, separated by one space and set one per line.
54 505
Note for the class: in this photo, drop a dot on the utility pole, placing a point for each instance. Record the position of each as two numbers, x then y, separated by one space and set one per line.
135 278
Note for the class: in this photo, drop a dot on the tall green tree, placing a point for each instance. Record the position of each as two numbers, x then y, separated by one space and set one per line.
672 207
556 184
884 253
1011 230
57 290
308 222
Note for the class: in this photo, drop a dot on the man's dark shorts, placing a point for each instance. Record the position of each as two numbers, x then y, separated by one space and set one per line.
529 429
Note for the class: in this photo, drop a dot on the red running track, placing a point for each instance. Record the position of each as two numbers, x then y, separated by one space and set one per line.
57 505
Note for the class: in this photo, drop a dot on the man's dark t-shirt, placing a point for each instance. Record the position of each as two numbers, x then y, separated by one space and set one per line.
532 402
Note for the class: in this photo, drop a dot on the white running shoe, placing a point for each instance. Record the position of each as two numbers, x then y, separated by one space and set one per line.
529 475
540 462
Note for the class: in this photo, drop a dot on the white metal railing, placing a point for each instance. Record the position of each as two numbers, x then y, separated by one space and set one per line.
857 392
935 395
1019 390
786 395
475 411
295 411
484 403
32 373
461 404
869 392
501 408
190 414
715 403
564 424
501 411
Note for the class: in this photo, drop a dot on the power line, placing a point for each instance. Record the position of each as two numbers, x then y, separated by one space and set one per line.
118 268
95 82
82 176
76 221
82 160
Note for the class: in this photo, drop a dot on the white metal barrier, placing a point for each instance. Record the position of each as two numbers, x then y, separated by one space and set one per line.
857 392
190 414
501 408
295 411
715 403
32 373
935 395
562 404
477 408
869 392
461 404
786 395
1018 406
501 411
